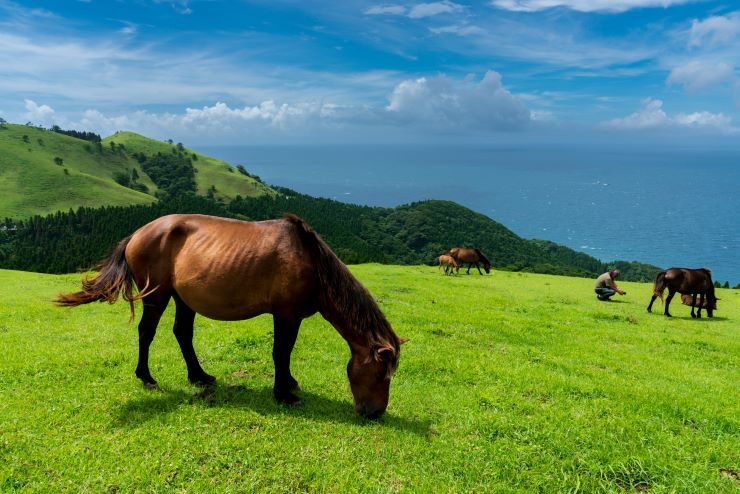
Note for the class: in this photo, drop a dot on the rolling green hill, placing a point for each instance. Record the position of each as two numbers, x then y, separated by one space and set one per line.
43 171
510 383
211 172
31 182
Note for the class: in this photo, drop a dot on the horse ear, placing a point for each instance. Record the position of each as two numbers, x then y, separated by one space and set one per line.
384 352
403 340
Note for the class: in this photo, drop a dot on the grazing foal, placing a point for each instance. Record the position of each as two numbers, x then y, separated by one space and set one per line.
449 264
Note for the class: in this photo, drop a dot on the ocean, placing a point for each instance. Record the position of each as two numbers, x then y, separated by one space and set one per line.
668 208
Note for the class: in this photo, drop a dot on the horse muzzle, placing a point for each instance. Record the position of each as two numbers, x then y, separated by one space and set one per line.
369 411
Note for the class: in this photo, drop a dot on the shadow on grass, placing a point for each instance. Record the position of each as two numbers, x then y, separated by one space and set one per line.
316 407
697 319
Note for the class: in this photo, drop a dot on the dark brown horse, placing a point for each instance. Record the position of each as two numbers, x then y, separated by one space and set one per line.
232 270
471 257
686 282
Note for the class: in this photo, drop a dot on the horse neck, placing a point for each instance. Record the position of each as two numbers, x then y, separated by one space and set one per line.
353 312
357 318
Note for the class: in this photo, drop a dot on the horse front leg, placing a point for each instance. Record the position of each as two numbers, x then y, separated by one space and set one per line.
477 266
150 317
668 303
701 304
284 337
469 266
183 329
693 304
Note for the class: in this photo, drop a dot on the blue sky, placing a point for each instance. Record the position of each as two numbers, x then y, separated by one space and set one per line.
280 71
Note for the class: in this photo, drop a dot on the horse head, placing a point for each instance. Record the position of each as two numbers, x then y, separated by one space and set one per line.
370 376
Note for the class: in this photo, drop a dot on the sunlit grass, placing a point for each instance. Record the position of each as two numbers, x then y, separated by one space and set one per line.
509 383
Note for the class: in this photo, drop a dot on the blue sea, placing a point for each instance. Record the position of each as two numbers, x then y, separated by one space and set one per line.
668 208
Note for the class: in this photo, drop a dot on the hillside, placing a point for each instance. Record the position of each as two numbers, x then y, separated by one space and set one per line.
42 172
210 172
411 234
510 383
31 182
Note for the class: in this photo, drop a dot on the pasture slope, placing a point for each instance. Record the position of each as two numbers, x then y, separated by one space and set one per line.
510 383
34 181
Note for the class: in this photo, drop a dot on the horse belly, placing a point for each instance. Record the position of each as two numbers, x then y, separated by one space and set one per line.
241 290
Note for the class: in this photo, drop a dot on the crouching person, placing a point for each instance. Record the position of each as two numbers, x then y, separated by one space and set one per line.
606 285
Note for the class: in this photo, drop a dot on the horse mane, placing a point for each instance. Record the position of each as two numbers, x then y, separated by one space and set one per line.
484 258
342 292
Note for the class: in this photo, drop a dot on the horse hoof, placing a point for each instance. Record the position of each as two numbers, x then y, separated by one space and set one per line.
288 398
694 316
151 386
202 380
668 315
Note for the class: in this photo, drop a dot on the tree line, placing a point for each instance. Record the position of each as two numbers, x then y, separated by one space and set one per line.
411 234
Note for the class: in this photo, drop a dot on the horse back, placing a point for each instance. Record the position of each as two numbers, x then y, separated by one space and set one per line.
688 281
225 269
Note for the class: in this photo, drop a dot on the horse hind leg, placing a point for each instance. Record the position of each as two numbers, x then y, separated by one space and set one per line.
285 335
183 329
701 304
650 305
693 304
668 303
152 313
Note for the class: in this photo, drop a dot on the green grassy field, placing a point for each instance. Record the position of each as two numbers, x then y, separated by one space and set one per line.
509 383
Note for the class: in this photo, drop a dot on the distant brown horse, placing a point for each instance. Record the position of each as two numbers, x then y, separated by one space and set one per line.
471 257
449 264
233 270
687 282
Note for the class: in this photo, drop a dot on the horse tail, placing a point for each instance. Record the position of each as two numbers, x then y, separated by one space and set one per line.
659 285
114 278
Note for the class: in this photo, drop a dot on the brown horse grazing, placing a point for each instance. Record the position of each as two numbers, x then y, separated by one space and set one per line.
471 257
686 282
449 264
232 270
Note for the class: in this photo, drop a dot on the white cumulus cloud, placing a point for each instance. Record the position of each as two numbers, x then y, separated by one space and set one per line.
438 103
421 10
715 30
38 114
441 102
699 74
584 5
652 116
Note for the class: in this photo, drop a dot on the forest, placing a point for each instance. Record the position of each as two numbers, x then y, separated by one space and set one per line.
410 234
